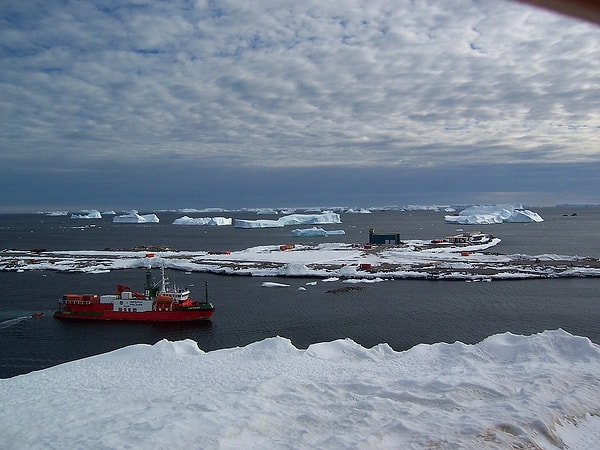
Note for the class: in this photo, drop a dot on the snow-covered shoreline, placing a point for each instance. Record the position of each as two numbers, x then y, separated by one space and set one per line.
414 259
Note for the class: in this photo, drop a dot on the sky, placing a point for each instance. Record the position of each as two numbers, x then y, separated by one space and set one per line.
148 105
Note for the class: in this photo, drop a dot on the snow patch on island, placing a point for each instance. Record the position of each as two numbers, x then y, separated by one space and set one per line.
490 214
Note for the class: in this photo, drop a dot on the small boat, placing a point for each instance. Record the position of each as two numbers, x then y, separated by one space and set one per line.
158 303
37 314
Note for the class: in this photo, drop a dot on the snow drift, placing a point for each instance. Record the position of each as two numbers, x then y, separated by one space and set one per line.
508 391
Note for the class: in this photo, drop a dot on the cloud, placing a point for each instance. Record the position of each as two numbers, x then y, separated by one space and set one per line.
297 84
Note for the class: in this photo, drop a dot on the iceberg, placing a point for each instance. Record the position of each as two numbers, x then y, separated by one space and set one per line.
317 231
210 221
292 219
358 211
87 214
490 214
134 217
266 211
243 223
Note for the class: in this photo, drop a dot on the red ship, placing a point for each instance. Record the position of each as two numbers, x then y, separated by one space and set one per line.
158 303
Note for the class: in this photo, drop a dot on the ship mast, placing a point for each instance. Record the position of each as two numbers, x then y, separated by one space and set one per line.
150 288
163 281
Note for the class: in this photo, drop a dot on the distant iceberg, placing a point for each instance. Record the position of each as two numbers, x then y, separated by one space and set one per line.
490 214
134 217
317 231
266 211
292 219
210 221
200 211
358 211
87 214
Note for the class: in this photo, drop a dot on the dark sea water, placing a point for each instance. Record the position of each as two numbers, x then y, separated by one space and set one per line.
402 313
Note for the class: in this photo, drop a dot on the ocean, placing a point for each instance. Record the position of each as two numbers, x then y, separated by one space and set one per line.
402 313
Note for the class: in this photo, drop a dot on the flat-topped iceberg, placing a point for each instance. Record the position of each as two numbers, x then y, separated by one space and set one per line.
209 221
292 219
317 231
134 217
91 214
490 214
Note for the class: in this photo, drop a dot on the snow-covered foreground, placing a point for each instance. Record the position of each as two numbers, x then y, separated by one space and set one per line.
413 259
540 391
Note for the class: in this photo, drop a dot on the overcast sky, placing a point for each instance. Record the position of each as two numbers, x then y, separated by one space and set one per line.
117 104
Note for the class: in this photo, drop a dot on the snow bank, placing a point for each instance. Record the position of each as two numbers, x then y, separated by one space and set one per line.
490 214
317 231
210 221
134 217
292 219
508 391
91 214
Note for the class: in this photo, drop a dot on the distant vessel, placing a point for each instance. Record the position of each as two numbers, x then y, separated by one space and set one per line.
158 303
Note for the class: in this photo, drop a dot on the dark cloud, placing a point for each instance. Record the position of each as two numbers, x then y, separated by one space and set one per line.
348 87
177 184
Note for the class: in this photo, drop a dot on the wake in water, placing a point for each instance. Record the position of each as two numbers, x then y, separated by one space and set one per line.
11 322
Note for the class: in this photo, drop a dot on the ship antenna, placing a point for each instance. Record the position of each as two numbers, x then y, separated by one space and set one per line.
206 291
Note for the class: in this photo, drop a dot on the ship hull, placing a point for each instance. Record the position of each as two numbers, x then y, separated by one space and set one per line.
146 316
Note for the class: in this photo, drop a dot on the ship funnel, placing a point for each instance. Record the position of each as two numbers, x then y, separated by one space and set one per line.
148 256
